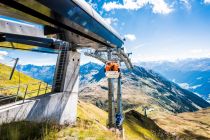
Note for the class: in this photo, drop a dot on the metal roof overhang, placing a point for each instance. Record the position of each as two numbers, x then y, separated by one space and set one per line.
86 28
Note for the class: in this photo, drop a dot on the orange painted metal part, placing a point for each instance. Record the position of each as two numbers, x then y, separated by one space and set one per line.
112 66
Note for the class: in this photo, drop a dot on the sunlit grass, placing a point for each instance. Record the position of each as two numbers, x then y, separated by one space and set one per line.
91 124
27 130
28 85
137 132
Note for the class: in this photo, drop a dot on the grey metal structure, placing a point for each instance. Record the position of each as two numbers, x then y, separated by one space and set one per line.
111 108
20 28
119 95
86 26
21 91
119 56
76 25
13 69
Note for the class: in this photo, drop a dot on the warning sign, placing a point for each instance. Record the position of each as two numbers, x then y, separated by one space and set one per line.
112 74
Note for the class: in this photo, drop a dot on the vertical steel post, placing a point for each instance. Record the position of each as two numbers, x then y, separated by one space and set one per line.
119 115
40 84
18 89
25 93
13 69
111 105
119 94
46 88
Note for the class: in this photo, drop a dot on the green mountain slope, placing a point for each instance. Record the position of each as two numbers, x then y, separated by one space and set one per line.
91 121
91 124
140 87
136 126
10 87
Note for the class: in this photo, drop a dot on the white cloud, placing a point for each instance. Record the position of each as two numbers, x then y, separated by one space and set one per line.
207 1
196 51
199 53
111 21
2 54
142 56
186 3
158 6
130 37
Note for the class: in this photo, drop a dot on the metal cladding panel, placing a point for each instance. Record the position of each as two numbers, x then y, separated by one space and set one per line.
87 8
83 15
33 11
15 13
13 26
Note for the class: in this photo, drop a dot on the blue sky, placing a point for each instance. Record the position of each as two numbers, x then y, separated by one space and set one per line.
27 57
154 29
160 29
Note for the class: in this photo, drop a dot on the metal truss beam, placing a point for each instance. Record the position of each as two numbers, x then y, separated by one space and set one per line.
29 40
27 10
117 55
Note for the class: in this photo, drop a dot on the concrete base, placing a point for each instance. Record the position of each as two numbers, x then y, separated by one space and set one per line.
57 107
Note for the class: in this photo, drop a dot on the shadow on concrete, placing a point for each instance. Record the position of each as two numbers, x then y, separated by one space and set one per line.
48 107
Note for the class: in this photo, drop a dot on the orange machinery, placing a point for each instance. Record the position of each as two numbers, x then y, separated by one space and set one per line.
112 66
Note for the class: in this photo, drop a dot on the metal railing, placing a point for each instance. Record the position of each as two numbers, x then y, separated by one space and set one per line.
22 92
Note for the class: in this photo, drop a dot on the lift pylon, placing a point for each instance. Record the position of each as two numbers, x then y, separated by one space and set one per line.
115 116
111 108
119 114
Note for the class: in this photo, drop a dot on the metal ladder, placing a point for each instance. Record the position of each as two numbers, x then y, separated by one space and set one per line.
58 85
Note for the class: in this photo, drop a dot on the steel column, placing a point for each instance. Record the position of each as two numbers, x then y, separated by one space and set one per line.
13 69
119 114
119 95
111 105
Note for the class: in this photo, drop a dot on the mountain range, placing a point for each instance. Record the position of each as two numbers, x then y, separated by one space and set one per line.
191 74
140 87
44 73
165 101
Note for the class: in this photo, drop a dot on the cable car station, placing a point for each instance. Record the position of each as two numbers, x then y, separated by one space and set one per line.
62 27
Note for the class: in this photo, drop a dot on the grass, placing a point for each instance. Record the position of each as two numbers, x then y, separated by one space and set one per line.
18 77
27 130
91 125
136 132
139 127
91 121
190 125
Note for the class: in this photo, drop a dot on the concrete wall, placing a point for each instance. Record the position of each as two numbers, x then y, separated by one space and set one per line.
49 107
59 107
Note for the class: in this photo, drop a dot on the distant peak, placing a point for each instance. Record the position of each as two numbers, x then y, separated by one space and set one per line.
91 63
